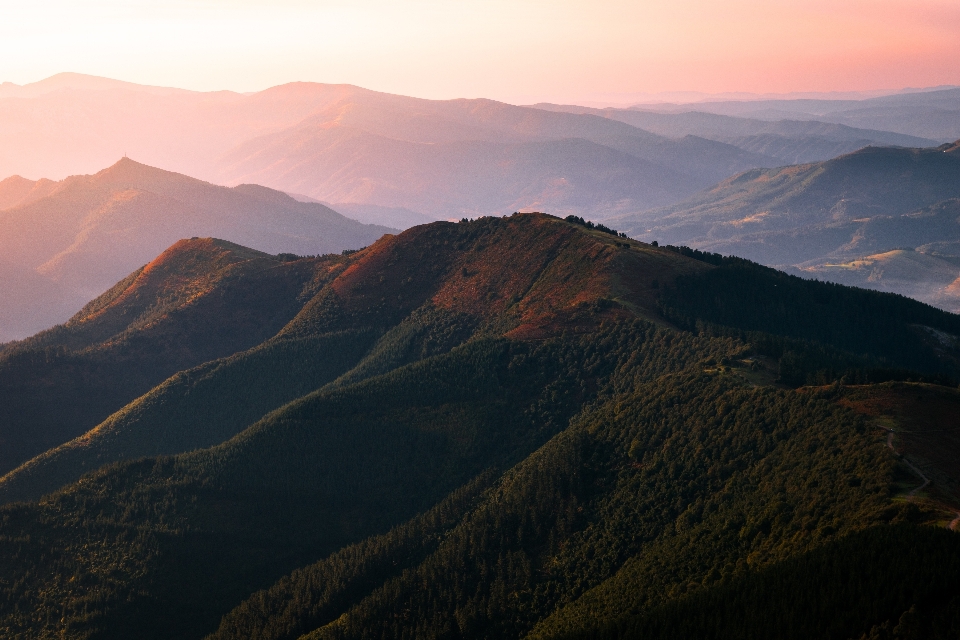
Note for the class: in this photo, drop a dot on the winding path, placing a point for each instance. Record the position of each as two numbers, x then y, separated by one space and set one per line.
912 494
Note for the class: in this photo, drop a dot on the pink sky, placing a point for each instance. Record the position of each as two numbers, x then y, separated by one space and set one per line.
515 50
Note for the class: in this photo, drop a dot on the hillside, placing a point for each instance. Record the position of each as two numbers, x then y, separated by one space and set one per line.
837 220
200 300
871 182
86 232
787 140
492 428
473 157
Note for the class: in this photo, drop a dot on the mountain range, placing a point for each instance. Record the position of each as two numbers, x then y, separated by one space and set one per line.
931 113
499 428
787 141
64 243
395 162
881 217
441 159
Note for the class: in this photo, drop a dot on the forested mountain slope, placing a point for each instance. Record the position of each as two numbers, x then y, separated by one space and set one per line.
413 295
200 300
539 427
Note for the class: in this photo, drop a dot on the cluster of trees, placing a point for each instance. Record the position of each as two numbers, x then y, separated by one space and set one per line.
891 583
817 331
594 225
612 515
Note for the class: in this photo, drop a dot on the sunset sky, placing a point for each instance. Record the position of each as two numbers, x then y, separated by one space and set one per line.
558 50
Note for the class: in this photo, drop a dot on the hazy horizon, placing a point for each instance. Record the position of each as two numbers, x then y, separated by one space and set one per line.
613 52
74 79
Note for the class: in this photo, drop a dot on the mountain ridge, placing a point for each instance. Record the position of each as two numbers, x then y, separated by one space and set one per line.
829 219
462 411
86 232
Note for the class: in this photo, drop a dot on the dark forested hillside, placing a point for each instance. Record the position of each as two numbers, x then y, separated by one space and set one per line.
887 582
199 300
500 428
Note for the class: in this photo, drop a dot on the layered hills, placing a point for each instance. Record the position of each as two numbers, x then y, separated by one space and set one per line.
199 300
789 140
926 113
859 219
470 157
339 143
505 427
437 158
82 234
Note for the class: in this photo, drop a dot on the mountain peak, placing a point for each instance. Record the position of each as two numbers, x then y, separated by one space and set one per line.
128 173
127 165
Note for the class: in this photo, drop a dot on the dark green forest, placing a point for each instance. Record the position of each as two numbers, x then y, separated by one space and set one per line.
500 428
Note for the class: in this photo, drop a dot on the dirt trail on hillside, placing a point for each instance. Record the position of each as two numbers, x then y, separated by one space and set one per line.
926 481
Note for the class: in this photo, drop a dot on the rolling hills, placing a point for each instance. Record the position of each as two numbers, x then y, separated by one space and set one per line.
789 140
469 157
505 427
847 220
437 158
929 113
84 233
71 124
198 301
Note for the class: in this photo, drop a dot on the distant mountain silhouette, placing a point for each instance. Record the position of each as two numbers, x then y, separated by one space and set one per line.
932 114
86 232
788 140
73 124
853 209
439 158
473 157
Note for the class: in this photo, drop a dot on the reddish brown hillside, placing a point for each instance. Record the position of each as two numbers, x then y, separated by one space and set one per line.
526 276
420 293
